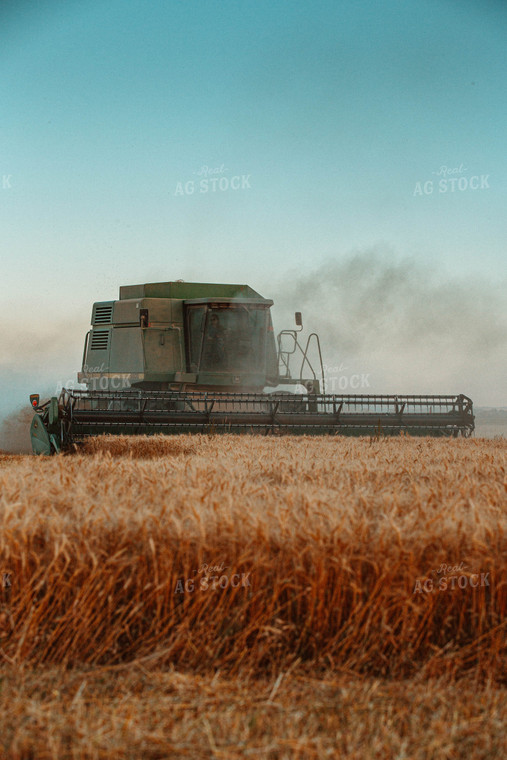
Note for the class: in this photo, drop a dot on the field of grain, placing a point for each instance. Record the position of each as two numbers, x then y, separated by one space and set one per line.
255 597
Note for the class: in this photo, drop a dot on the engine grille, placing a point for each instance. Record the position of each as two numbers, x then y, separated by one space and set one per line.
103 314
100 340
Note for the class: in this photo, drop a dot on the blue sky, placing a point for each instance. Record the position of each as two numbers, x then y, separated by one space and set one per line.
334 116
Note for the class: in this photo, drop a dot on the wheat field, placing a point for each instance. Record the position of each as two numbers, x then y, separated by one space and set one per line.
230 596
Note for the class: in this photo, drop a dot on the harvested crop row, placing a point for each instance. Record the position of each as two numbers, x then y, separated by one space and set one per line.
54 714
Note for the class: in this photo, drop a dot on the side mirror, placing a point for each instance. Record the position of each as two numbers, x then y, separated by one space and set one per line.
299 319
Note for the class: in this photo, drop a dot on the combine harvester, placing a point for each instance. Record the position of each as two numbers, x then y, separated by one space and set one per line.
176 357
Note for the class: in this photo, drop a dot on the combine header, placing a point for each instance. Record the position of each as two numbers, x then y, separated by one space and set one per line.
195 357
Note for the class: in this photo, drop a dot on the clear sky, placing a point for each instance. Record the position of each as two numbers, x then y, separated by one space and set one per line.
260 142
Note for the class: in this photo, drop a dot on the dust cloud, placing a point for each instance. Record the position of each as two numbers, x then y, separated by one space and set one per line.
15 432
405 327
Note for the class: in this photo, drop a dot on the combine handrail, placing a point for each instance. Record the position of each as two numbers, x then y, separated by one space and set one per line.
284 356
306 359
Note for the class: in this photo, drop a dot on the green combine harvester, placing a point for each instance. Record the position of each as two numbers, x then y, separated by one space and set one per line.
177 357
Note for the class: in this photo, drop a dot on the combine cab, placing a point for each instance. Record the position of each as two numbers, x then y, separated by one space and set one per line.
194 357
